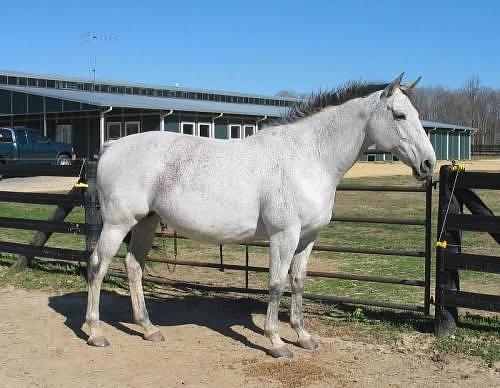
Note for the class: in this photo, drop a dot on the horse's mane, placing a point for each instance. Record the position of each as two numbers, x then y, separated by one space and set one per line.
320 100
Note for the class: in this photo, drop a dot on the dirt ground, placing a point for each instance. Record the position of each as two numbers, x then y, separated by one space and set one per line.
359 170
210 341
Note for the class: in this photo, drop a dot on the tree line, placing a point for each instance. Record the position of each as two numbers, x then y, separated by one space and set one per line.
472 105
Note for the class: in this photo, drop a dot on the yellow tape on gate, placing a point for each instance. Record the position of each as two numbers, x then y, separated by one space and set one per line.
442 244
457 167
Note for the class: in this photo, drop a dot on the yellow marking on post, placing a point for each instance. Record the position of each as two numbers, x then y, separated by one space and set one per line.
81 185
442 244
458 167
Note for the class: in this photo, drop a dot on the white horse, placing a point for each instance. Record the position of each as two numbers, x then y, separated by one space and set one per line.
278 185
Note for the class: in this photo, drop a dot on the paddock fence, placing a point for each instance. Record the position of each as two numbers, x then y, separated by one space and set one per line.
87 198
486 150
64 203
455 192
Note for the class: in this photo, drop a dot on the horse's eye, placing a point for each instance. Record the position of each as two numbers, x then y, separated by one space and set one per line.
399 116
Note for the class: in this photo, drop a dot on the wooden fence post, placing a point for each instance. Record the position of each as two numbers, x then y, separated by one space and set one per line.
446 278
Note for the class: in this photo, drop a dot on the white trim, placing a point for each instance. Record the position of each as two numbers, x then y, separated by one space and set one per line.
245 126
470 147
229 135
209 129
101 127
131 122
108 124
447 146
191 123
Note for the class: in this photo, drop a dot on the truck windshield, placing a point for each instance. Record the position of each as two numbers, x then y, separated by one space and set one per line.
6 136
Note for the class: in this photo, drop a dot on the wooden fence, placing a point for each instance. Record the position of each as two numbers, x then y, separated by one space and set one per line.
455 186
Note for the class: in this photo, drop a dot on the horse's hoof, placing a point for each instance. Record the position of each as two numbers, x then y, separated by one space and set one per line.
281 352
100 341
308 343
155 336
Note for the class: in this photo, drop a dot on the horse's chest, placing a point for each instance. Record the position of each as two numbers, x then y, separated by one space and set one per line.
315 211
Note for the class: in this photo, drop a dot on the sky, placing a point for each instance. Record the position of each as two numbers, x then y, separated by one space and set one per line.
255 46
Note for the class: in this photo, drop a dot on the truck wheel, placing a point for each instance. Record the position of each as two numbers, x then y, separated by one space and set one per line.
63 160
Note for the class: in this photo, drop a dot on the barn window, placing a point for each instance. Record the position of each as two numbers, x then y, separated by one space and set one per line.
114 130
204 129
187 128
132 127
235 131
249 130
371 157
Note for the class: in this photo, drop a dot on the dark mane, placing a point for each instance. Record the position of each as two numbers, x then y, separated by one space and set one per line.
322 99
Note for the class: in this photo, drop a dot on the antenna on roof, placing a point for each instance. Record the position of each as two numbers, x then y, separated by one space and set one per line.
95 37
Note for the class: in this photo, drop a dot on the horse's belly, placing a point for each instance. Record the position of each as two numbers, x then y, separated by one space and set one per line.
212 222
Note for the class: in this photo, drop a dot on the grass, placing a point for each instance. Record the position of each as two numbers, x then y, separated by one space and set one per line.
477 335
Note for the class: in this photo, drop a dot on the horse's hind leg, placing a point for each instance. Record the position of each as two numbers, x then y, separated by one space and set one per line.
107 246
297 277
140 244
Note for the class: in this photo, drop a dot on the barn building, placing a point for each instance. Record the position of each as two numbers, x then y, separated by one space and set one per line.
87 114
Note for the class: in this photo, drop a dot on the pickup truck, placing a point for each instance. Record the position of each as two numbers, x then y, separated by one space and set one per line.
28 146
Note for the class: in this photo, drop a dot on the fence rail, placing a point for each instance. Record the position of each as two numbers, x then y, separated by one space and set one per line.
485 149
30 170
91 229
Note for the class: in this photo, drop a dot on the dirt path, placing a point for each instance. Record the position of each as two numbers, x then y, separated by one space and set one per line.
210 342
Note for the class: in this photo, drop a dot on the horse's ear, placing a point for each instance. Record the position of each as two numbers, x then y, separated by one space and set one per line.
393 86
410 85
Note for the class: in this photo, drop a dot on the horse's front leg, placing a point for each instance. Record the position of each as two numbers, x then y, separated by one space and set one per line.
281 251
298 271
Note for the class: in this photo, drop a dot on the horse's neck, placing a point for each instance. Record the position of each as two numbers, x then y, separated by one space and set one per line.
336 135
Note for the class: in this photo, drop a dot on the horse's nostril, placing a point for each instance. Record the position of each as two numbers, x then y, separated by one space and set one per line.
426 166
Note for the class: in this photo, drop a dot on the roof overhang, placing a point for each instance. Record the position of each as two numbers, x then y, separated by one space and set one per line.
434 125
150 102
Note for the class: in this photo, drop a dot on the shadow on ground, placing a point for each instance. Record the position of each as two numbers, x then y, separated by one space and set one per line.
216 313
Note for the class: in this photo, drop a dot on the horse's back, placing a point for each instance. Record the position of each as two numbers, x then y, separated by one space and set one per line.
194 184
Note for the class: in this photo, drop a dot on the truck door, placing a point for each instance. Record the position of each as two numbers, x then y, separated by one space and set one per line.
43 150
24 148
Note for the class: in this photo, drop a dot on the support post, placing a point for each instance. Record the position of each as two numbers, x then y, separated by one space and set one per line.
246 268
221 259
428 245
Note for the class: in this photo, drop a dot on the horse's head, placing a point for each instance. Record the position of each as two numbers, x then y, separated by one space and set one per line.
394 126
